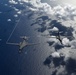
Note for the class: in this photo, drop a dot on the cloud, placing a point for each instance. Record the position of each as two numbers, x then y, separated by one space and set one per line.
65 12
62 12
15 9
9 20
13 2
54 29
65 41
68 63
55 55
15 15
19 12
64 61
73 44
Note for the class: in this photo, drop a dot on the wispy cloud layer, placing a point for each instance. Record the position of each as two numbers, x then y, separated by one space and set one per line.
61 11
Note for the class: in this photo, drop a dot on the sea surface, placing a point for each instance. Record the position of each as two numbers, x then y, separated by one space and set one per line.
30 61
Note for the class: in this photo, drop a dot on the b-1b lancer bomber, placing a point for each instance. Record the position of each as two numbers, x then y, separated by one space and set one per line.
23 44
59 38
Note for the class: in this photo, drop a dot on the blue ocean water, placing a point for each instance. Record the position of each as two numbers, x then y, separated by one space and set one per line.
30 62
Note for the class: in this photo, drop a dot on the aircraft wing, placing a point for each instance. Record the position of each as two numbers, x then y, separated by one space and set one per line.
27 44
13 43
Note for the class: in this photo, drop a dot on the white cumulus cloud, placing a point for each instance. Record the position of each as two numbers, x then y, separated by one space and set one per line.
9 20
55 55
13 2
15 15
65 41
19 12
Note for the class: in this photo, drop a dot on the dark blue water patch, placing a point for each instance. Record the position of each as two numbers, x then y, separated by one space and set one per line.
4 8
43 18
3 1
37 22
54 73
58 46
71 66
18 6
63 29
9 59
42 28
6 66
58 61
5 25
33 23
54 23
50 43
54 33
47 61
10 62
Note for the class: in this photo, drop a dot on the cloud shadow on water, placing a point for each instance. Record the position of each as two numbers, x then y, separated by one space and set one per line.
65 30
41 21
56 46
71 66
54 73
47 61
56 61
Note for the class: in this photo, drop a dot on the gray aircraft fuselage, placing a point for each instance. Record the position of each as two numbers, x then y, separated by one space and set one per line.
23 44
